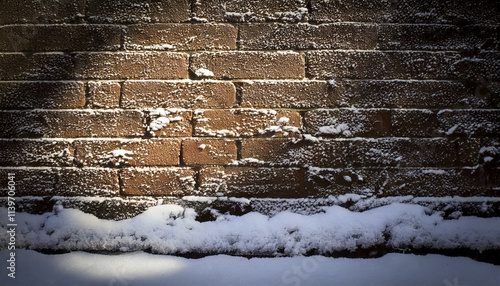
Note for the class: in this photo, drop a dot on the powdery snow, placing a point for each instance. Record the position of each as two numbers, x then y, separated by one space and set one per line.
173 229
139 268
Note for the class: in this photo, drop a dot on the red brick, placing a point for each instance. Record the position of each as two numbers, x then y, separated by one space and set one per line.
414 123
469 122
158 181
305 36
72 124
252 182
181 94
258 65
38 66
181 37
36 153
132 11
246 122
137 152
288 94
35 11
250 11
130 65
48 38
348 122
286 152
169 122
42 94
199 151
103 94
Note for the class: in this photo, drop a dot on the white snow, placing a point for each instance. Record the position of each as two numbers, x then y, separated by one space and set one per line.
139 268
204 73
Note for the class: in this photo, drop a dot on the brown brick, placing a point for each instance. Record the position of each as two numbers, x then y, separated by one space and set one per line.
36 153
169 122
181 94
403 152
71 124
39 66
285 152
29 181
414 123
258 65
60 38
103 94
129 65
181 37
87 182
137 152
250 11
158 181
246 122
252 182
199 151
41 94
324 182
305 36
436 37
131 11
288 94
405 11
469 122
34 11
348 122
416 94
401 65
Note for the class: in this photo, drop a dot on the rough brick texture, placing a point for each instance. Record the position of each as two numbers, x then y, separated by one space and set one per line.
152 100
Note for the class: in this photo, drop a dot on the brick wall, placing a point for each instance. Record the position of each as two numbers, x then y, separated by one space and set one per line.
113 106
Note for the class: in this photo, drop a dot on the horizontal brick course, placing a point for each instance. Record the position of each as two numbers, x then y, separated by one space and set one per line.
38 66
258 65
72 124
60 38
42 94
180 94
306 36
169 122
414 123
103 94
34 11
252 182
469 122
36 153
245 122
182 37
157 181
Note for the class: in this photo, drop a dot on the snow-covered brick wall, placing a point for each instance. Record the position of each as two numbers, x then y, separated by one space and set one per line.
233 106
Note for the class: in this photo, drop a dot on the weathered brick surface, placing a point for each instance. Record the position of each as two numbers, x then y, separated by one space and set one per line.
79 37
103 94
405 11
252 182
87 182
208 151
129 65
41 94
245 122
157 181
250 11
348 122
38 66
34 11
180 94
36 153
169 123
71 124
258 65
401 65
118 153
288 94
285 152
132 11
26 178
469 122
414 123
305 36
182 37
437 37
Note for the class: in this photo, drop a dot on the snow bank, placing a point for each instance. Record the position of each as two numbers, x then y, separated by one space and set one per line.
173 229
